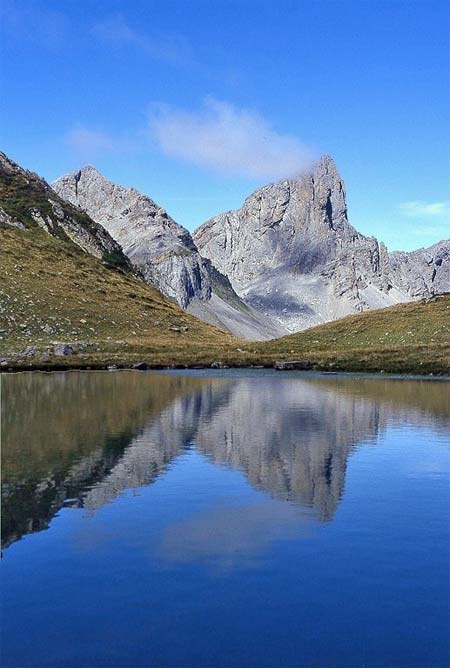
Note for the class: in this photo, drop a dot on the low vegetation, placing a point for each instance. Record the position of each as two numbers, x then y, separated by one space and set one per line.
28 202
412 337
23 193
53 293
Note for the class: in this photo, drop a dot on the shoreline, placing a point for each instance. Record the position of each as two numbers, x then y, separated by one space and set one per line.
285 366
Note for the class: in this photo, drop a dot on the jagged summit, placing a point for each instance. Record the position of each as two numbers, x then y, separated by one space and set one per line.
164 252
124 212
286 223
291 253
27 201
88 169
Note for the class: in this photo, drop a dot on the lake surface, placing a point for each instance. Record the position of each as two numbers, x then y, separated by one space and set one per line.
232 518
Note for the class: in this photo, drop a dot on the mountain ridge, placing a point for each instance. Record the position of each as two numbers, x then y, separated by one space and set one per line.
163 251
290 251
66 288
28 202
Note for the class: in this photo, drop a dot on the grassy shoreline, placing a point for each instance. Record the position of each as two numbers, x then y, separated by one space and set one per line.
419 361
53 294
411 338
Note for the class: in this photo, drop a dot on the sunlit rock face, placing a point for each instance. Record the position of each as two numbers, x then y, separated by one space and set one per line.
291 253
162 249
27 201
424 272
164 252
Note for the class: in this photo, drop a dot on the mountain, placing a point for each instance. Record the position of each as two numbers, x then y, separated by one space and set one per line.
423 272
291 253
64 280
164 252
69 298
27 202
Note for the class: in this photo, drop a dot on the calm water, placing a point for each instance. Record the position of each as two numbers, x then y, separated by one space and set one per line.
225 519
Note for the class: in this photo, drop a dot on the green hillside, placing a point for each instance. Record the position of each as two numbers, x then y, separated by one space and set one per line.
28 202
66 287
65 282
413 337
51 291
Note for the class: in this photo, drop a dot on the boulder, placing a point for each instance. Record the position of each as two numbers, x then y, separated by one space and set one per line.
61 349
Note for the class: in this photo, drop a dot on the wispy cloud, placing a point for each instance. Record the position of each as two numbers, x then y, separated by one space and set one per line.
89 143
170 48
419 208
230 140
34 23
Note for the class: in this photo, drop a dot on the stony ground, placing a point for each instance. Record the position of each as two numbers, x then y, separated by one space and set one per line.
52 293
62 308
413 337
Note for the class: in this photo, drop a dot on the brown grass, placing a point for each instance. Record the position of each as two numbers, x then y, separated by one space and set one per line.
50 291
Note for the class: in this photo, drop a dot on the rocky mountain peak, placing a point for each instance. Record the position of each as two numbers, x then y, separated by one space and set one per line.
125 212
291 253
288 257
28 202
329 192
90 169
296 223
163 251
326 165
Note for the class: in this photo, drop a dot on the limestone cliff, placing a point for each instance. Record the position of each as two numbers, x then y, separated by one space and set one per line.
27 201
164 252
291 253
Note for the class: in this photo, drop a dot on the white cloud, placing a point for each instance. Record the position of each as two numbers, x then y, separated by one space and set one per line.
171 48
419 208
229 140
230 537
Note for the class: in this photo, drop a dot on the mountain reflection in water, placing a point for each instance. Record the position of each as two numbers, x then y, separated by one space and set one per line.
80 439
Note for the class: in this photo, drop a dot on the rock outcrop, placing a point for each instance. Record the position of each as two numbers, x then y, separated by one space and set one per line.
287 260
424 272
164 252
291 253
27 201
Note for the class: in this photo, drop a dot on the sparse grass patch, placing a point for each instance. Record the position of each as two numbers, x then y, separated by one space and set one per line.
50 291
412 337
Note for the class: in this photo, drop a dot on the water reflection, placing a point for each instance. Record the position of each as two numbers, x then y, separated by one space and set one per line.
234 535
64 435
82 438
292 440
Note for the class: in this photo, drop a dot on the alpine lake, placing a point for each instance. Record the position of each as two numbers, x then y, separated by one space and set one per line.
229 518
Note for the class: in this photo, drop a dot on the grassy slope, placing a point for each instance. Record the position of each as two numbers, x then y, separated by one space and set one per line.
23 192
50 291
402 338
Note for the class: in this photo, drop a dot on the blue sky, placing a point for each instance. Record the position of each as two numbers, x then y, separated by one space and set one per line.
198 103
